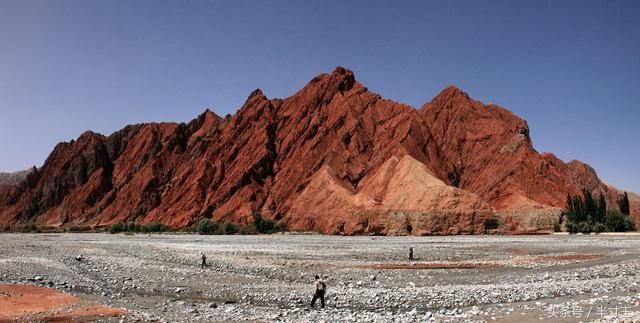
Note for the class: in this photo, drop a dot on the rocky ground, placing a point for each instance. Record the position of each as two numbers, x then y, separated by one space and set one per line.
269 278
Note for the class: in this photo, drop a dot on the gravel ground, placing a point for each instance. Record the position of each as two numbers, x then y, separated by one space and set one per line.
269 278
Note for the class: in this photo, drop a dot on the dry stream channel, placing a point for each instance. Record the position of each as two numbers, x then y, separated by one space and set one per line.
158 277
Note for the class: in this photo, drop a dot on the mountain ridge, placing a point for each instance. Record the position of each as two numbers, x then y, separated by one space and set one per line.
274 155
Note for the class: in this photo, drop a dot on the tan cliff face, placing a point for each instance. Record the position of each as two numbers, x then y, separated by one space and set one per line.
333 158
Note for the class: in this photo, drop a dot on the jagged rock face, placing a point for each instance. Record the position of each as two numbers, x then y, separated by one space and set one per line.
492 153
493 157
334 158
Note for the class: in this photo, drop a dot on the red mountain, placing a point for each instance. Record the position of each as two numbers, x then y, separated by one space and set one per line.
334 158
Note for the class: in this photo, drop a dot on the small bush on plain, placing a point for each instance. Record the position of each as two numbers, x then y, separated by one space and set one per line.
206 226
132 227
83 228
229 228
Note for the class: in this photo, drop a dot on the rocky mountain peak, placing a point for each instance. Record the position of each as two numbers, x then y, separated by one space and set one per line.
333 158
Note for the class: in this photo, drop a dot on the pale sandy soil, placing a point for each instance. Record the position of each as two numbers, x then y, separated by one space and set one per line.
269 278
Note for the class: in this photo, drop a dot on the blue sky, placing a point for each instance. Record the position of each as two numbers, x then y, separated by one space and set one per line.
570 68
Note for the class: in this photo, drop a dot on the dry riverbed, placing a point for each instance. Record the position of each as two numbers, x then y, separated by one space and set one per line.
269 278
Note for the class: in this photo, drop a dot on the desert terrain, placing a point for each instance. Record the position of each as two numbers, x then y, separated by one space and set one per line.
141 277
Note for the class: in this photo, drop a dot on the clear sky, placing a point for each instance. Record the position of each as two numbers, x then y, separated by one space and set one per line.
570 68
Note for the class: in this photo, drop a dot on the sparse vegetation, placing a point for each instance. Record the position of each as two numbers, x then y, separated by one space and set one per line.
83 228
229 228
599 227
206 226
156 227
263 225
133 227
31 228
259 225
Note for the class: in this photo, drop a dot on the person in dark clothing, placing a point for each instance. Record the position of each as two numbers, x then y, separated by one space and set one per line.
320 287
204 260
410 253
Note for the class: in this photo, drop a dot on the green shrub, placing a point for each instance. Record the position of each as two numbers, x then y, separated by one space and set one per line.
263 225
572 227
115 228
31 228
206 226
229 228
599 227
134 227
156 227
259 225
618 222
491 224
584 227
281 227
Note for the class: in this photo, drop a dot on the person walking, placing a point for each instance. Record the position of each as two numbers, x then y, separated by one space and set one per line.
411 253
320 287
204 260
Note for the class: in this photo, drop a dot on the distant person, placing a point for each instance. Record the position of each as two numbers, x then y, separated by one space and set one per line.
320 287
411 253
204 260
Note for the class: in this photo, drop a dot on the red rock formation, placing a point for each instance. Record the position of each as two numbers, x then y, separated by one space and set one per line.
334 158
